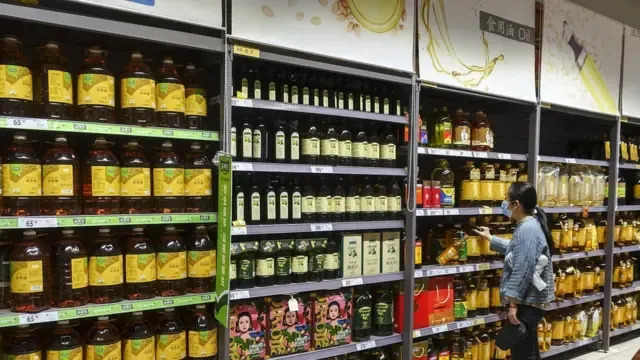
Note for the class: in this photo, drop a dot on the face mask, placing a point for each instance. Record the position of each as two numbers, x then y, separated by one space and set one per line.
505 208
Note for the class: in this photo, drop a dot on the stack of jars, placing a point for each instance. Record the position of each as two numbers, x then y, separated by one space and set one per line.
576 185
624 271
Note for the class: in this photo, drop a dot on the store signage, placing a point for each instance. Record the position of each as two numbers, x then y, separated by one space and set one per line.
631 73
376 32
224 238
485 46
581 57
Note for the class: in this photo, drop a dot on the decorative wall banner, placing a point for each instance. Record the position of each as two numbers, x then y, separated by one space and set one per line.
631 73
480 45
581 57
376 32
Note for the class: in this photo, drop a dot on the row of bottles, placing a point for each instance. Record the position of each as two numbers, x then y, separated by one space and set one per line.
572 185
576 233
295 199
165 99
471 343
577 278
58 183
73 271
189 333
624 311
439 130
599 148
324 143
567 325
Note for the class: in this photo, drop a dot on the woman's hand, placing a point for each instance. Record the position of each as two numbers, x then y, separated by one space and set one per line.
483 232
512 315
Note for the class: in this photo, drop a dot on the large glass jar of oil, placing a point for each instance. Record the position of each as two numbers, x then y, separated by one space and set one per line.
96 89
64 343
170 96
105 269
101 180
70 278
196 99
202 334
140 266
21 343
171 337
197 180
16 81
138 339
138 93
201 261
60 179
168 180
30 268
103 341
53 88
135 180
172 264
21 178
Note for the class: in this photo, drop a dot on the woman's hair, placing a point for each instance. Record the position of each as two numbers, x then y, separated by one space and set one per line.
242 314
329 308
525 193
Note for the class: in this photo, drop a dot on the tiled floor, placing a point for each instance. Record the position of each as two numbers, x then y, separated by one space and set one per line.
622 348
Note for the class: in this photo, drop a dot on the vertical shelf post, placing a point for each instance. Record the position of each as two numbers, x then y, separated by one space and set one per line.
534 145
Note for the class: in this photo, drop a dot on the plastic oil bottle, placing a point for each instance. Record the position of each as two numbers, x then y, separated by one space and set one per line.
70 278
171 337
22 344
101 180
60 179
172 264
65 343
135 180
140 266
103 341
30 269
201 261
202 332
197 180
21 178
105 269
6 246
138 93
96 89
168 180
53 88
170 96
138 339
196 99
16 81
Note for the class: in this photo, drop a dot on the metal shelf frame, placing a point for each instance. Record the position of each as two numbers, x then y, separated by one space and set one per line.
241 166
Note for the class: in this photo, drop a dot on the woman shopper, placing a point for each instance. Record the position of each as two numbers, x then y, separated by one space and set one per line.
531 242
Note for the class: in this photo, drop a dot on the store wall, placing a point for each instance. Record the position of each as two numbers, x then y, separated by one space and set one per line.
624 11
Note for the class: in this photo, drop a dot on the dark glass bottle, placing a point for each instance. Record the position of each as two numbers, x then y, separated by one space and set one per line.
101 180
296 202
171 337
195 99
246 270
279 142
383 312
96 89
170 96
329 146
54 88
294 142
241 79
21 178
140 266
22 344
201 261
283 202
16 98
172 264
138 340
311 145
198 193
300 261
259 137
394 201
233 147
374 149
30 267
316 259
202 334
245 144
239 197
360 149
135 180
256 83
344 148
106 280
64 343
270 204
323 201
332 258
6 246
362 314
60 179
352 203
168 180
338 202
367 201
388 152
283 262
380 211
308 202
138 93
70 278
103 341
265 263
254 214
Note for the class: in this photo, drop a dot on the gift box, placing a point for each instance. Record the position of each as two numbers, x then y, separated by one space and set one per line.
432 304
289 325
247 331
332 318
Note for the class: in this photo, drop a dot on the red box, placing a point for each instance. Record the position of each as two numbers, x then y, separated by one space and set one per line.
432 304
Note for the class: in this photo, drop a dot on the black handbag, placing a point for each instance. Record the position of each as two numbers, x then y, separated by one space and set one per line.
510 335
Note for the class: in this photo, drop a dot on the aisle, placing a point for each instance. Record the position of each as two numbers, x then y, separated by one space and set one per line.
622 348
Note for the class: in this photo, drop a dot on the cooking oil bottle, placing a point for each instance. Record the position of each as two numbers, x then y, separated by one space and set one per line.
105 269
138 339
172 264
201 261
21 178
16 81
53 88
70 278
65 343
22 344
196 99
171 337
96 89
170 96
6 246
138 93
60 179
135 180
140 266
202 334
30 269
197 180
103 341
101 180
168 180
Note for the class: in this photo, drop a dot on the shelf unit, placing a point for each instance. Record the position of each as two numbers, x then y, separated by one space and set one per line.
555 350
316 227
315 169
34 222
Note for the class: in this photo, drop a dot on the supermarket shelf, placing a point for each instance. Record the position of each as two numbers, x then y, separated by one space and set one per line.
317 110
547 107
436 270
458 211
374 342
626 249
625 330
571 302
477 93
471 154
556 159
629 166
8 318
635 287
34 222
295 288
316 169
110 27
479 320
628 208
573 209
555 350
577 255
305 228
20 123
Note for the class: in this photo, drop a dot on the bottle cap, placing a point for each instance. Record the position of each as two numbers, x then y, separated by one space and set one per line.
61 138
170 228
190 66
169 309
196 146
19 136
137 313
167 60
51 45
100 140
29 233
103 318
136 54
104 230
167 144
63 322
67 231
138 229
201 306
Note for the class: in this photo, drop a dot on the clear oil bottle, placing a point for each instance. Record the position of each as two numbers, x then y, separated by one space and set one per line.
197 180
196 99
201 261
16 81
138 93
64 343
60 179
103 341
101 180
30 268
96 89
53 88
171 337
140 266
70 278
22 343
170 95
138 339
202 332
106 281
172 264
168 180
135 180
21 178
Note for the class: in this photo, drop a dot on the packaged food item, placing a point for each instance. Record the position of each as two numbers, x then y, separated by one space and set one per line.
289 325
138 93
247 327
332 313
96 89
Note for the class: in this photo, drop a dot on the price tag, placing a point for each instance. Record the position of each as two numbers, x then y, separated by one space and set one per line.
418 274
453 152
635 327
467 153
237 295
451 270
481 267
238 231
502 156
25 123
480 155
242 166
322 169
419 212
435 212
468 268
321 227
293 305
351 282
417 333
464 324
431 151
246 51
439 329
478 321
242 102
485 211
422 150
365 345
37 222
435 272
48 316
451 212
570 161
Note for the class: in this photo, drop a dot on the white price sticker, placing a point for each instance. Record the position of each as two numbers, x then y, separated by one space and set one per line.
435 272
570 161
25 123
431 151
293 305
321 227
422 150
439 329
33 222
420 212
480 155
418 274
466 153
485 211
453 152
242 102
352 282
435 212
237 295
451 212
241 166
242 230
49 316
322 169
504 156
365 345
451 270
464 324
